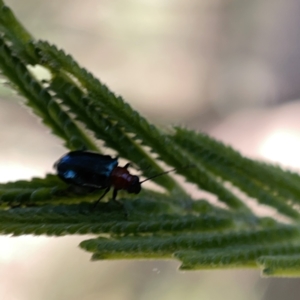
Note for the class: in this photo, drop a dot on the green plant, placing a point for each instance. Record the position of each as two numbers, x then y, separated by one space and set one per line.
151 224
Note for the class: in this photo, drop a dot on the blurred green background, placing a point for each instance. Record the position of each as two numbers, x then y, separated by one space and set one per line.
229 68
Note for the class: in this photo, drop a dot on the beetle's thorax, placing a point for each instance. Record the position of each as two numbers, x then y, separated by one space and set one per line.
121 179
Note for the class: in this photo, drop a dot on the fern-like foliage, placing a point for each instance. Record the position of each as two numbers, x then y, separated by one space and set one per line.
80 110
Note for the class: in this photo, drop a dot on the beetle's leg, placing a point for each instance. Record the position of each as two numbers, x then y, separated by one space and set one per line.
114 198
105 192
115 192
127 166
132 165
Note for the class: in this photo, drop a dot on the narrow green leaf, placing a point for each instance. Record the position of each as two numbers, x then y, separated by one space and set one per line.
282 266
81 110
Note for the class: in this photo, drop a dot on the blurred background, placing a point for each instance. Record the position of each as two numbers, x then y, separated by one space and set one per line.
229 68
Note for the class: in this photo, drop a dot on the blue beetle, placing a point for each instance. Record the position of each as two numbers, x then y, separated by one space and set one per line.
94 170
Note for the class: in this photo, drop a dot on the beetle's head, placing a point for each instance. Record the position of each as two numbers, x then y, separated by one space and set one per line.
135 185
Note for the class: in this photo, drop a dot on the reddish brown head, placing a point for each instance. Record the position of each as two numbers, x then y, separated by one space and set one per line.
135 185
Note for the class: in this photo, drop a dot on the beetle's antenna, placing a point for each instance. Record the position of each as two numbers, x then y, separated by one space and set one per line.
166 172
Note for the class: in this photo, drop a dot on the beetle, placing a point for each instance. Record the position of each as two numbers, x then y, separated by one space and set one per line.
94 170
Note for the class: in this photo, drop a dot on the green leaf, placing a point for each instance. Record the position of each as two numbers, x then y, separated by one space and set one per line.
81 111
